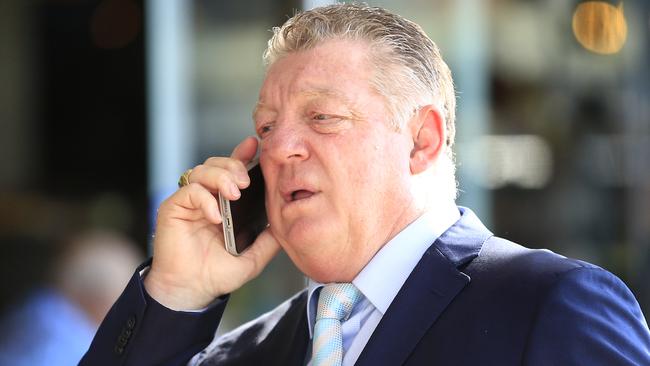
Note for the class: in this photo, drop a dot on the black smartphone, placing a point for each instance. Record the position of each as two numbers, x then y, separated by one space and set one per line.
245 218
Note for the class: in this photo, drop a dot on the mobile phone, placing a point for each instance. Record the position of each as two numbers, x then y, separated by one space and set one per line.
244 219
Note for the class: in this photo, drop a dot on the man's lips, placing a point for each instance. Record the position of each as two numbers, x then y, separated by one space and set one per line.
301 194
297 193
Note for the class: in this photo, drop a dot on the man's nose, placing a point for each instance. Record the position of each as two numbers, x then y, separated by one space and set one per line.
286 142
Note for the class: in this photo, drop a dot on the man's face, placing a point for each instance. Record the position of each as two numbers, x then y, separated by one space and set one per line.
337 172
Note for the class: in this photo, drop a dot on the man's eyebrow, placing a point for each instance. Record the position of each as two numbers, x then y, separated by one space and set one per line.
344 99
259 106
314 93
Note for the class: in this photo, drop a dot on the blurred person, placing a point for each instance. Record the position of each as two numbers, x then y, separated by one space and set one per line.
355 124
54 324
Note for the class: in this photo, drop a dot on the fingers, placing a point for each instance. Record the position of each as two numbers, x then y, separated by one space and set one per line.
217 174
246 150
227 178
226 175
193 197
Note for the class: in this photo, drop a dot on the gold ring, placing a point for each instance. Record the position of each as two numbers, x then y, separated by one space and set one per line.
184 179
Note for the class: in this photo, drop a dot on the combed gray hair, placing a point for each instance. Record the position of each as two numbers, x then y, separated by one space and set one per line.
409 70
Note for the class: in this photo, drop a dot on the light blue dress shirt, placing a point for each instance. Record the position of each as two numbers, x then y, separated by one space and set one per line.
383 277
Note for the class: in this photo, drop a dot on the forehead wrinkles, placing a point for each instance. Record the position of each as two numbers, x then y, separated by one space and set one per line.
277 87
321 93
306 89
315 95
319 73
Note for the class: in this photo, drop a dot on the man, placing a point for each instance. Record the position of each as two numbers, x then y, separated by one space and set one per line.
355 124
55 323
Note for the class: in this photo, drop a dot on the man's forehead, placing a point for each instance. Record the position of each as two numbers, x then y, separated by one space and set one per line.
317 92
307 94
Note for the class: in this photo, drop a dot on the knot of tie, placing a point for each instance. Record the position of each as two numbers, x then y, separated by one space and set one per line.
337 300
335 304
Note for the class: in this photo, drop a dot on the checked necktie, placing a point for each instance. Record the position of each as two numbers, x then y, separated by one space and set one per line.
335 303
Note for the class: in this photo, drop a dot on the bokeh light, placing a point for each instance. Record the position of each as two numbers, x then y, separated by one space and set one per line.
524 161
600 27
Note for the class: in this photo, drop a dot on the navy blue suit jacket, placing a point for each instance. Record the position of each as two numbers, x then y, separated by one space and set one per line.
473 299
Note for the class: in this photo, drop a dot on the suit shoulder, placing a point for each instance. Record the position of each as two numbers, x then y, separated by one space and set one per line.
523 277
508 258
247 342
589 316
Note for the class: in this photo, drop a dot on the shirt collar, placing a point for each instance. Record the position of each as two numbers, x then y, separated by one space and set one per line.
381 279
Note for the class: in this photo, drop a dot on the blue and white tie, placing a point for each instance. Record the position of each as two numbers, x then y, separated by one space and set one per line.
335 303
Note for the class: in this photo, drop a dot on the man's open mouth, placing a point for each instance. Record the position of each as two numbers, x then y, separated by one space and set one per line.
301 194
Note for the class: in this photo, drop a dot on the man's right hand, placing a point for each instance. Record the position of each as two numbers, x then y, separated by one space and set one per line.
191 266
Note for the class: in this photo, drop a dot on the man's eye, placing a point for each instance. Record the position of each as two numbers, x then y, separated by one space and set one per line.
322 117
264 129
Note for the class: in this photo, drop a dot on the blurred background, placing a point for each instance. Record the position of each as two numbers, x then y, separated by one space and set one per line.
104 103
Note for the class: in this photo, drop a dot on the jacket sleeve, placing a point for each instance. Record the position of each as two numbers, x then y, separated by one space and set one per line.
140 331
589 317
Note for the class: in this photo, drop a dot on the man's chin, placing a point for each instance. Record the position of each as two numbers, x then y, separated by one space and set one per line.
309 231
326 271
320 257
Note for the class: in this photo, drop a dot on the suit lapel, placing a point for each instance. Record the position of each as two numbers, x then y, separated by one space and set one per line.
290 341
430 288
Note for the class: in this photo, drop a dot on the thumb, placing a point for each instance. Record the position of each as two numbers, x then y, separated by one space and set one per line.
262 251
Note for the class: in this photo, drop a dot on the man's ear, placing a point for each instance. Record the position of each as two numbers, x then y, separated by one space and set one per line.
427 128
